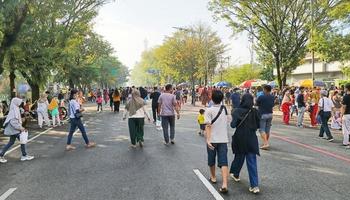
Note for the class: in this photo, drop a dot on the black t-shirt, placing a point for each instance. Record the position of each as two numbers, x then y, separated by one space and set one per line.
155 96
300 101
346 102
265 104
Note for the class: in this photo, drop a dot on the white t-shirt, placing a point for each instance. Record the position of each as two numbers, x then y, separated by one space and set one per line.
219 133
73 106
328 104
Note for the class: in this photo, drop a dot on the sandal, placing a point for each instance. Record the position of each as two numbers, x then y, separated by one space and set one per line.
212 181
223 190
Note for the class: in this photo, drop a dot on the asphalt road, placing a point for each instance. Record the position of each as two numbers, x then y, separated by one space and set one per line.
298 166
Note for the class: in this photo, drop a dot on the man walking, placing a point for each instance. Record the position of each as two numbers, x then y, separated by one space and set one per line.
155 96
345 112
166 109
265 103
301 107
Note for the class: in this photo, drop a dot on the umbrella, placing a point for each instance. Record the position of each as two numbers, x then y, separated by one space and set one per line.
319 84
272 84
222 84
183 84
309 83
247 84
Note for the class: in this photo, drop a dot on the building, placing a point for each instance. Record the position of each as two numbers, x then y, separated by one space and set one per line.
327 72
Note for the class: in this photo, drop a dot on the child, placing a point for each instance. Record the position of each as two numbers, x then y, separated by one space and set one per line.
217 138
99 102
200 120
53 107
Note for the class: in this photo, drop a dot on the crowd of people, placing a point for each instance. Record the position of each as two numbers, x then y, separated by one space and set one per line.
251 110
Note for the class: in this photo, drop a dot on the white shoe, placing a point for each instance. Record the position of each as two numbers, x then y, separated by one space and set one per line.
254 190
24 158
3 160
235 178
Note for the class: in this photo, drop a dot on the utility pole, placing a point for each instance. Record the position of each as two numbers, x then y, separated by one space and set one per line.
312 50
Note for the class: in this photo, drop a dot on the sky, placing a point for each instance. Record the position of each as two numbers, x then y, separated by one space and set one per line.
128 24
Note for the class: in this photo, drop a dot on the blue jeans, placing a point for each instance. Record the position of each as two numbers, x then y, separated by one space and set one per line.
10 143
324 127
237 165
166 121
74 123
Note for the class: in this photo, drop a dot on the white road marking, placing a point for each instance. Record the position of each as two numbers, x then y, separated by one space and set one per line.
211 189
7 193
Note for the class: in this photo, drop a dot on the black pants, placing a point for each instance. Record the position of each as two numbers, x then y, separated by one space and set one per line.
154 112
116 106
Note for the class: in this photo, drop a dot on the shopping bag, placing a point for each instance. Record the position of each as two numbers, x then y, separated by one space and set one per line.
23 137
159 124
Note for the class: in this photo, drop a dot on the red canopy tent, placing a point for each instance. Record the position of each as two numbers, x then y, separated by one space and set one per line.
247 84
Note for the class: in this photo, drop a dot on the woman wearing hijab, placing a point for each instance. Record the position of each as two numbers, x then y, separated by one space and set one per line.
13 128
75 121
42 110
135 108
116 100
245 144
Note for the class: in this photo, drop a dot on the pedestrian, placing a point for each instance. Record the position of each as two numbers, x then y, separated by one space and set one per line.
178 94
55 115
235 99
13 128
116 100
286 104
99 102
42 110
155 96
166 109
217 139
204 96
313 108
265 103
301 107
345 113
245 146
336 119
75 115
136 110
200 120
110 97
326 107
4 108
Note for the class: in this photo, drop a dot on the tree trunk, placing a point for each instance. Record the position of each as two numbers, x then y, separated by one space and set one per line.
71 84
35 91
278 68
12 83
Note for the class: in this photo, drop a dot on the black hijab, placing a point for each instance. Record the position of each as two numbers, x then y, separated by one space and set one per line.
247 101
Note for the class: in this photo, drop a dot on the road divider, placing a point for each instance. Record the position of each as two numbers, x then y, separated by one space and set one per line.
7 193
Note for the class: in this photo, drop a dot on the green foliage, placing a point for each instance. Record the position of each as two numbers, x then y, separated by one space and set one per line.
237 74
281 28
189 55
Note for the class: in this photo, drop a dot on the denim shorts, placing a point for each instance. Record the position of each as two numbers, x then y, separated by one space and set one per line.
265 123
221 151
202 126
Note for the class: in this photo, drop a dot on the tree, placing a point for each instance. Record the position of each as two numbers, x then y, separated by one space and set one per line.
281 28
12 15
237 74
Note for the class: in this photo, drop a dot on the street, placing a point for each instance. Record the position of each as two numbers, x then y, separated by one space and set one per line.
299 165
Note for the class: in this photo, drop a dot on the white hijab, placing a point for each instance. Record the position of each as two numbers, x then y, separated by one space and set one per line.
14 112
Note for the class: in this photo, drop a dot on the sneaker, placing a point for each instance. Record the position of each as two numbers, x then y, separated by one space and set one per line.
172 141
24 158
236 179
330 139
90 145
3 160
70 147
347 147
141 144
166 143
254 190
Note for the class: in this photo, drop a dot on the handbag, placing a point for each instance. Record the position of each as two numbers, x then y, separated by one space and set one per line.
320 113
23 137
